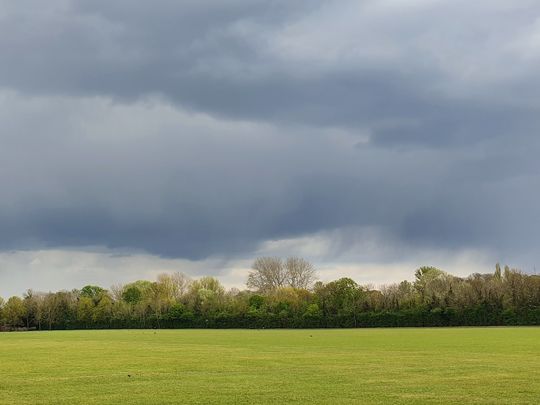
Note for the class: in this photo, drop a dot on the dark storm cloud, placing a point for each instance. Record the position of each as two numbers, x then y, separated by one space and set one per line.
325 115
227 58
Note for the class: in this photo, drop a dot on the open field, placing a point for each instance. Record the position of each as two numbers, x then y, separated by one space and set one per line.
466 365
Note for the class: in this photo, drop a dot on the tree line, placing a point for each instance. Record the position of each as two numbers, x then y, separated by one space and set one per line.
284 294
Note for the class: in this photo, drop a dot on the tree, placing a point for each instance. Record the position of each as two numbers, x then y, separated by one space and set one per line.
31 305
312 311
14 312
270 273
103 310
93 292
176 311
256 301
339 296
132 295
206 295
286 300
436 298
300 273
160 298
423 276
59 309
85 310
208 283
498 273
174 286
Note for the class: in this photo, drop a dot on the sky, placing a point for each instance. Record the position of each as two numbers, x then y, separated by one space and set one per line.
370 137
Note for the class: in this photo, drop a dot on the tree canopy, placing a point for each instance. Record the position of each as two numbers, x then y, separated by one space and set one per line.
282 293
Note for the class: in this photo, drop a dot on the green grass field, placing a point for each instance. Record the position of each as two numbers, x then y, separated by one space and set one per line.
459 365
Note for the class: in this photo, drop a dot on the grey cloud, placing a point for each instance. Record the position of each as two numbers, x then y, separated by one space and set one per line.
197 129
184 185
226 58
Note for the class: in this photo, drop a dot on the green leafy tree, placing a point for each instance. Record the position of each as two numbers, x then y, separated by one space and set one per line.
102 313
93 292
423 276
339 296
132 295
14 312
85 310
256 301
206 295
313 311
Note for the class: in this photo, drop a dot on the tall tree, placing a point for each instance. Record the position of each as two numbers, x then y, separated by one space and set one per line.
267 274
270 273
300 273
14 312
93 292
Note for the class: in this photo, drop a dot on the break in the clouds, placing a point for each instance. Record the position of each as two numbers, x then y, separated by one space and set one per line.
200 130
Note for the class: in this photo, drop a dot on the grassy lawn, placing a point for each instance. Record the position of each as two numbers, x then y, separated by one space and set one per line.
465 365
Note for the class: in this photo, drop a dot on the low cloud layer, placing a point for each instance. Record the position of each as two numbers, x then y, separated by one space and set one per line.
203 131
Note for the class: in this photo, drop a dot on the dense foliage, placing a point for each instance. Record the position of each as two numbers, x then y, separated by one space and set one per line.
435 298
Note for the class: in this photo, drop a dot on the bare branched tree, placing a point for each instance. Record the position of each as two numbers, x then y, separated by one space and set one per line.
116 291
300 273
270 273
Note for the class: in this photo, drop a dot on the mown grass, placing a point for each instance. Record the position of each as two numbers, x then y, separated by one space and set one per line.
445 365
